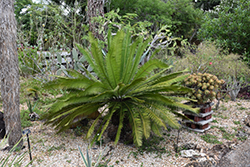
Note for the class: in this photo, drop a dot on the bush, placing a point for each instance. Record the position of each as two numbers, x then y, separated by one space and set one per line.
208 58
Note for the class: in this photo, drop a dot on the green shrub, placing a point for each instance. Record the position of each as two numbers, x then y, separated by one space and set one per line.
30 62
208 58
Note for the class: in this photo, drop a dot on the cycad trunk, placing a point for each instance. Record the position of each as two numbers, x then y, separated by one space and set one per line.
9 73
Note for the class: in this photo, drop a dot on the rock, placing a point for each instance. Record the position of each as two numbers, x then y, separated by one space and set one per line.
201 159
241 134
2 126
203 162
189 146
239 157
191 154
247 121
219 150
34 116
246 129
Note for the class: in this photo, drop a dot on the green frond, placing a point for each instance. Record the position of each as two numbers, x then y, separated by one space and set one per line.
151 80
109 39
141 48
156 128
69 83
94 89
166 116
74 74
125 53
114 57
120 126
92 127
162 86
109 116
61 108
146 123
182 88
180 115
159 88
60 115
133 85
82 111
154 78
172 76
176 98
87 55
149 66
173 80
152 114
87 73
130 62
135 124
134 99
90 99
187 107
99 61
67 112
167 102
167 89
56 109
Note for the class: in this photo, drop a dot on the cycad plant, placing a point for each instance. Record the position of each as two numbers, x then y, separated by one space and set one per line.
146 99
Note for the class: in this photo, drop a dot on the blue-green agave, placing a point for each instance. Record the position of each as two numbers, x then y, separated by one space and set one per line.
123 86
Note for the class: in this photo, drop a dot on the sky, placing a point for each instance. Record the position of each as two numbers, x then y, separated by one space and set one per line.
36 1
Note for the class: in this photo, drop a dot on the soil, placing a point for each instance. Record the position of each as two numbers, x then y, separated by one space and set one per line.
228 130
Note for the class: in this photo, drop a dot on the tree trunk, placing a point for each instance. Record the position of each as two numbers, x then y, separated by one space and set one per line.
95 9
9 73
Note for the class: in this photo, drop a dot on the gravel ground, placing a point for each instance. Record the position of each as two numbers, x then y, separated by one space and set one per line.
61 150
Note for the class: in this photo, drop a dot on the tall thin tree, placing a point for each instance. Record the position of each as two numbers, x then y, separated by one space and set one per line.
95 9
9 73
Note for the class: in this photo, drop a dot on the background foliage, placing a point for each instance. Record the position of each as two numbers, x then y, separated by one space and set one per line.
229 26
59 25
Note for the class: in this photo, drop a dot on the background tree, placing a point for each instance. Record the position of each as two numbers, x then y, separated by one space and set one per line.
181 15
230 27
20 5
206 4
71 4
23 16
9 72
95 9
